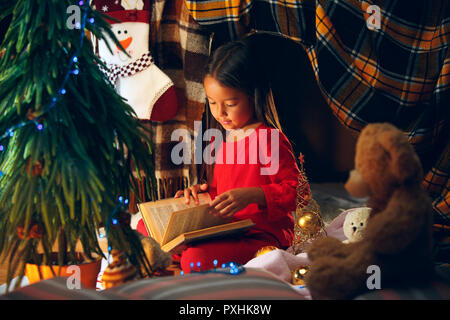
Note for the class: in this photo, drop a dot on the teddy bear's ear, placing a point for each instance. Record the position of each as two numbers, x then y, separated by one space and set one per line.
404 162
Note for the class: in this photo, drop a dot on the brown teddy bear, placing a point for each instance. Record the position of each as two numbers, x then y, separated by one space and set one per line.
398 234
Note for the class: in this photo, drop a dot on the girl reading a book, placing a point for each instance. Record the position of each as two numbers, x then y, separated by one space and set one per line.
255 174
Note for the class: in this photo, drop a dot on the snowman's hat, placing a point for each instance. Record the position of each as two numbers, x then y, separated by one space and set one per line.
124 10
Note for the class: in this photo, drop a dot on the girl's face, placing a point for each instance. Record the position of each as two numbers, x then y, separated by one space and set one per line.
231 107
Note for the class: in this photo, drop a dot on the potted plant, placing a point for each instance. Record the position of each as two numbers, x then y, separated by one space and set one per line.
68 142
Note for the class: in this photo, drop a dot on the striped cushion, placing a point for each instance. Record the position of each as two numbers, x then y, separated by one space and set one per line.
253 284
56 289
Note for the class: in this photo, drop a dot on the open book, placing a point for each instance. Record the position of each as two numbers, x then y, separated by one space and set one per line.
173 223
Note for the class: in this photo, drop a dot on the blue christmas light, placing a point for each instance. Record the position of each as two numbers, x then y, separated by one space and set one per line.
76 71
75 59
40 126
2 147
231 268
92 20
62 91
114 221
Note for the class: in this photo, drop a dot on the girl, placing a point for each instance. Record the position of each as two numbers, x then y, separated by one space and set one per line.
240 104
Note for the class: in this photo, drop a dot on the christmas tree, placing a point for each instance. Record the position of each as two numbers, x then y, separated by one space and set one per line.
68 142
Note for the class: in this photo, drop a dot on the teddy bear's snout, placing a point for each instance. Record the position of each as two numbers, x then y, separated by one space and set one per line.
358 230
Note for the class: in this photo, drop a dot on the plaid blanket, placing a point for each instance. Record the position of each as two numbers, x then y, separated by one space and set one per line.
398 73
180 48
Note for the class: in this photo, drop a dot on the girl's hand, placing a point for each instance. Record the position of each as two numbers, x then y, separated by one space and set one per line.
232 201
193 190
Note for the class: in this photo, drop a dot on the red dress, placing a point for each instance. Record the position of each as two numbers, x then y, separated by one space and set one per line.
263 159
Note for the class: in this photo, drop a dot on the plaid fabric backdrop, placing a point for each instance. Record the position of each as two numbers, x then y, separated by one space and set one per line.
180 48
399 73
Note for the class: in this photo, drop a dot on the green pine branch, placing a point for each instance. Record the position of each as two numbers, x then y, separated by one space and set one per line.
67 177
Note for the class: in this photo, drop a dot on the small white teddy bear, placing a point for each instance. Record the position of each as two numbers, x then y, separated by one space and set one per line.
355 223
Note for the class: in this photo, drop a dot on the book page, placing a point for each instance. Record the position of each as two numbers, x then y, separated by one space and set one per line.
156 214
191 219
158 218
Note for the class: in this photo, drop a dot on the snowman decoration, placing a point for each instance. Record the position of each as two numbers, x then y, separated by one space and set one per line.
148 90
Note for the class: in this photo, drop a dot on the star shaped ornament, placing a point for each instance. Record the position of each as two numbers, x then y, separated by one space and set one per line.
105 8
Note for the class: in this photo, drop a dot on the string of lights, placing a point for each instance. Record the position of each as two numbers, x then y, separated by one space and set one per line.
112 219
72 69
230 268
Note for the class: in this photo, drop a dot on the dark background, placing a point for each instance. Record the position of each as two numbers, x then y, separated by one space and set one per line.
306 118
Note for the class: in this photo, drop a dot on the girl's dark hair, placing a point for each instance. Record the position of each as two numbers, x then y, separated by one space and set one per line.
237 65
